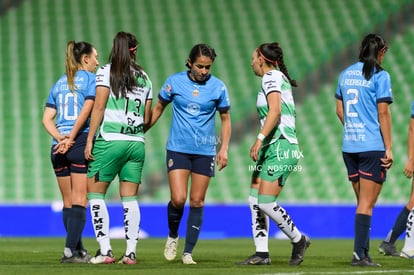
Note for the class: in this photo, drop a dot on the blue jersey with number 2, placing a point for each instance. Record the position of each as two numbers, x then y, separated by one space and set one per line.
360 98
68 104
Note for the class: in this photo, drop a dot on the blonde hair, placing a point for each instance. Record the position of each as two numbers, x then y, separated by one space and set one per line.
74 53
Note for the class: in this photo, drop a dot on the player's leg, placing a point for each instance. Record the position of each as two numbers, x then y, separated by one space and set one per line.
77 214
371 177
408 248
387 247
268 204
104 163
275 171
178 166
132 219
260 228
369 191
130 180
199 185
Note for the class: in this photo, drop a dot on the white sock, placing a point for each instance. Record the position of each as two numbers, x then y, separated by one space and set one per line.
132 218
100 223
409 234
282 219
260 226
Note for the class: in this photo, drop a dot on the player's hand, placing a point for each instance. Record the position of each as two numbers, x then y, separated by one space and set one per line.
222 159
387 160
409 168
254 150
63 145
88 151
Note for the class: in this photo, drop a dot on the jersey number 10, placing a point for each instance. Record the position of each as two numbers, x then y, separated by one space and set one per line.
68 107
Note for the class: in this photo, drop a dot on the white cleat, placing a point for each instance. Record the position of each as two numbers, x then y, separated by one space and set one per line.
408 254
188 259
170 251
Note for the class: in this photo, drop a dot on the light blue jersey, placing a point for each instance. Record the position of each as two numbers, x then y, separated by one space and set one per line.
69 104
360 98
412 109
194 106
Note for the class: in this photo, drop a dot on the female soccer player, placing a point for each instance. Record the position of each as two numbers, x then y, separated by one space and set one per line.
363 96
195 95
121 110
404 220
277 137
65 118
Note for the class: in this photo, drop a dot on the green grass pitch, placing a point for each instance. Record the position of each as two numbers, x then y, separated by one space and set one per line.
30 256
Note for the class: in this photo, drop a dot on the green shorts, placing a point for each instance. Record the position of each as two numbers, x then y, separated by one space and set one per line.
277 161
119 157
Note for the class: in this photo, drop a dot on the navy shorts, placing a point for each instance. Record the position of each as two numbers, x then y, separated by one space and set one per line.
366 165
200 164
73 161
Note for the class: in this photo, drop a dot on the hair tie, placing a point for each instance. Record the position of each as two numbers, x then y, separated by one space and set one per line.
267 59
133 49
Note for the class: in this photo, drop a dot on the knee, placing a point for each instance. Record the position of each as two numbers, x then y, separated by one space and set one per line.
178 202
196 203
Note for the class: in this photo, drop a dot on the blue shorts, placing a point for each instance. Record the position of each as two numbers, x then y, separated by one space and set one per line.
366 165
200 164
73 161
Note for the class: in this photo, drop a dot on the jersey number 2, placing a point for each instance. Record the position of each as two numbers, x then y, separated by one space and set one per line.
350 102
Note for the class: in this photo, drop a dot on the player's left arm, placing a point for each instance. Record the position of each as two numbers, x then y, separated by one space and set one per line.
384 117
222 156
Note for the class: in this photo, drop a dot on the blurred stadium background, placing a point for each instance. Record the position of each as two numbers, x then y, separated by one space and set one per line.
319 38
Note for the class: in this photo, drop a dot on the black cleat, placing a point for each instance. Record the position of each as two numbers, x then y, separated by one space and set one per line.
298 250
255 260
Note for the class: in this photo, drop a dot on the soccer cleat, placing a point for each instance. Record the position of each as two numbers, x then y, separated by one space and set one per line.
84 254
298 250
388 249
255 260
103 259
128 259
364 262
75 259
407 254
170 251
188 259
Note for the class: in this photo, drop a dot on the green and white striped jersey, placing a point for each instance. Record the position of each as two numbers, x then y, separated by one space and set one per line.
276 81
124 117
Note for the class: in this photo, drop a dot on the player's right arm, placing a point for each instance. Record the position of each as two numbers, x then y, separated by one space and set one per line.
48 122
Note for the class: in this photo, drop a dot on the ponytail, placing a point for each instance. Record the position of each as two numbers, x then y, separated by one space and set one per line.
273 55
74 53
371 47
71 65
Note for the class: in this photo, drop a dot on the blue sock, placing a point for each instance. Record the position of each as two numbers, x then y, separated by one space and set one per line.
194 222
400 224
174 219
361 238
76 223
65 217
